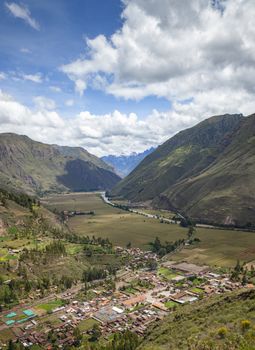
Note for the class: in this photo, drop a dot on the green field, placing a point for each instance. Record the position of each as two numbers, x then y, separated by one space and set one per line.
217 247
166 273
118 225
171 304
87 324
220 247
51 305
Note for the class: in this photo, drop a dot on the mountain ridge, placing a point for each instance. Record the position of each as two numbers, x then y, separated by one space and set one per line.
182 174
125 164
37 168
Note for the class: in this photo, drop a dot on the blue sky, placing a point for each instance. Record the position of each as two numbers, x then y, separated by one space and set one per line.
119 76
64 25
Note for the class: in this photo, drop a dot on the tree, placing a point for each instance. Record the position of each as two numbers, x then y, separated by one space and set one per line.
156 244
77 336
152 265
95 333
191 232
11 346
128 245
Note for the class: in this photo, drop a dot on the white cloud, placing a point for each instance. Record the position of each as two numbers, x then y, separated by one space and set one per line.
44 103
22 12
80 86
25 50
178 50
116 132
69 103
15 116
55 88
35 78
3 76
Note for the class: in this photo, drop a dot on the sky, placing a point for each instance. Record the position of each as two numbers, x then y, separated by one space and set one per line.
120 76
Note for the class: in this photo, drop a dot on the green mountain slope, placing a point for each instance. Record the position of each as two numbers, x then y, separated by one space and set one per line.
39 168
204 172
219 323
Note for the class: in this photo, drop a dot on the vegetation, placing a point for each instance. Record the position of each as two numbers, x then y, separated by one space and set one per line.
218 323
200 172
211 247
43 167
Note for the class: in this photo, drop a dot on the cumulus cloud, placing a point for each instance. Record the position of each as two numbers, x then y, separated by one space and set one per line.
55 88
112 133
42 102
177 50
22 12
3 76
69 103
35 78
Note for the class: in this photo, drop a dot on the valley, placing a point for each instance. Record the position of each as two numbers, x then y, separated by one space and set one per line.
75 270
217 247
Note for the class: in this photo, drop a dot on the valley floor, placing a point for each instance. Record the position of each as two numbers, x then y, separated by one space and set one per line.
217 247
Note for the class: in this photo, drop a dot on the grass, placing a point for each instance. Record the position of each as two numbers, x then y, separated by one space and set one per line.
171 304
166 273
161 213
197 290
220 248
196 326
87 324
217 247
50 305
119 226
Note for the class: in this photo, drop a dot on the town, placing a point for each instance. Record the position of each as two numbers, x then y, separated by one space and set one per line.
144 291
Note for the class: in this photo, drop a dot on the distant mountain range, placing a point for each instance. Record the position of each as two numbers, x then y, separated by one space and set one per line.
38 168
206 172
124 165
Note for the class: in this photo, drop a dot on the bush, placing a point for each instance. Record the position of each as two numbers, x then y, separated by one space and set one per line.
222 332
245 325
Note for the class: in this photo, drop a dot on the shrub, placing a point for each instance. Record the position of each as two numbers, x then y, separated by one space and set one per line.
222 332
245 325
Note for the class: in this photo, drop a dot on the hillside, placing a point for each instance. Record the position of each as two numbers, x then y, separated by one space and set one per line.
38 168
221 322
123 165
204 172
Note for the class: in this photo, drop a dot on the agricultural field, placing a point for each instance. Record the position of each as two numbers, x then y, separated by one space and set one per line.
217 247
220 248
119 226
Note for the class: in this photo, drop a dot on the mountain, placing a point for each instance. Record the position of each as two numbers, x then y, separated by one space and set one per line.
217 323
38 168
123 165
205 172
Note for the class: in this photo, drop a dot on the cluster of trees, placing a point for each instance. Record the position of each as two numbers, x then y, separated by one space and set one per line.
20 198
94 273
36 255
78 239
21 287
240 273
166 248
55 248
7 295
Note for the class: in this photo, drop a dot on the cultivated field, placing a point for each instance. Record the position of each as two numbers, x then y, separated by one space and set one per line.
217 247
119 226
